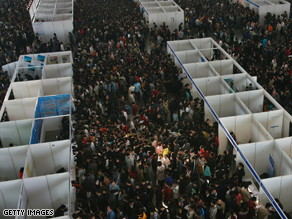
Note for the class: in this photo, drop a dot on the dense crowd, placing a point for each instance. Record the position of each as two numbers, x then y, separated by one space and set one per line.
141 144
142 147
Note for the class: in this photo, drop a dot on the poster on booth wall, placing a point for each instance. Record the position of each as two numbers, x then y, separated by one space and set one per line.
66 58
271 166
39 28
40 60
48 106
63 103
54 60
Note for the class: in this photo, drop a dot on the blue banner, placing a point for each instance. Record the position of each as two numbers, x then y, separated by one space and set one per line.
53 106
48 106
63 104
36 132
271 166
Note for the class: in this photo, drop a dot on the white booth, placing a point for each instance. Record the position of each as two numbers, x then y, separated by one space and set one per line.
52 16
277 7
235 100
35 131
159 12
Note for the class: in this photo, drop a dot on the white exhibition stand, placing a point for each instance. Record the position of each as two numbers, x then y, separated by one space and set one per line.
37 107
236 101
277 7
52 16
160 12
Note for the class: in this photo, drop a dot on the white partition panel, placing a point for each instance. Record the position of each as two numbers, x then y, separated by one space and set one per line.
60 151
240 82
277 155
15 110
6 165
248 151
285 192
214 102
243 128
50 86
229 123
59 30
52 124
59 188
43 159
64 85
29 168
24 130
227 105
20 90
263 150
202 70
285 145
270 186
254 100
184 45
226 67
9 193
286 165
192 56
9 134
18 156
191 69
213 86
202 85
275 123
38 193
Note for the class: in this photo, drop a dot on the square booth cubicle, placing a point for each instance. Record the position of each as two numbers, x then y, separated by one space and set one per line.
52 16
160 12
277 7
238 104
35 131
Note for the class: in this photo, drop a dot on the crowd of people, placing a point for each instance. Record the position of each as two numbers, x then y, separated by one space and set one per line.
142 147
140 141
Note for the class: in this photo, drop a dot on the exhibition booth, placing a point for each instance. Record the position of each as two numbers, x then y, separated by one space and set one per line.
238 104
52 16
35 132
277 7
162 12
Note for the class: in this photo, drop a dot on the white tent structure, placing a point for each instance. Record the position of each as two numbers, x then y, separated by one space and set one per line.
240 105
159 12
51 16
277 7
31 116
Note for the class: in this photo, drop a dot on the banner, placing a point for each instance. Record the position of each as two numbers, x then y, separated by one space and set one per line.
36 132
63 103
271 166
39 28
48 106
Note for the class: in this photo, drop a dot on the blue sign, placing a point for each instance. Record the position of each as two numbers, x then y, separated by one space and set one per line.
271 166
36 132
63 104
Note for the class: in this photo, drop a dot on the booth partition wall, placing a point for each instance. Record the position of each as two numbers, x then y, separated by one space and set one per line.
161 12
52 16
240 105
35 132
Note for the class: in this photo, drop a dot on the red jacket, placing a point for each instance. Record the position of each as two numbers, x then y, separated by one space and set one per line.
167 193
135 110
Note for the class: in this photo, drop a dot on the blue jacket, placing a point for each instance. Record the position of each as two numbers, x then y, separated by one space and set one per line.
111 215
169 180
137 86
